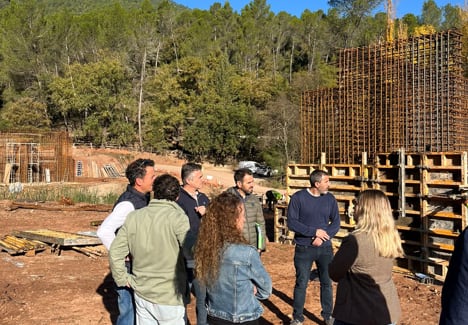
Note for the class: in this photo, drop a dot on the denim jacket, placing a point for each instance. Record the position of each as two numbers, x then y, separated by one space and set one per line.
232 296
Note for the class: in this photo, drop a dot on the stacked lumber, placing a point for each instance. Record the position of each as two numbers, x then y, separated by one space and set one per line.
14 245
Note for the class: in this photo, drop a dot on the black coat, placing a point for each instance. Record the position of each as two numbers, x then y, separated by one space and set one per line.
455 289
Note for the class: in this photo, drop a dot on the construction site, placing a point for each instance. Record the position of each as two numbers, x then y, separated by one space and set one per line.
397 121
36 157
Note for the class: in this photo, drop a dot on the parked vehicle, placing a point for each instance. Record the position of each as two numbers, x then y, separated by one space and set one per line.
257 168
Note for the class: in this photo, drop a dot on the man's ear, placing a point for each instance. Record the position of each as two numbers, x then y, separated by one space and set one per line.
138 181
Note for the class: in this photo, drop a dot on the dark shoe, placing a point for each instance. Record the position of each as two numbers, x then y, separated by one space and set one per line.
329 321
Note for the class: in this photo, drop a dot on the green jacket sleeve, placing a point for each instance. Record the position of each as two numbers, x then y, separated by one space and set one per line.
117 253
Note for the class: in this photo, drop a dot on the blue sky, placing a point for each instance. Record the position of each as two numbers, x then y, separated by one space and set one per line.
296 7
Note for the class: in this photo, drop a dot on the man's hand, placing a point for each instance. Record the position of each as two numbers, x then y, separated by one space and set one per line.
322 234
317 242
201 209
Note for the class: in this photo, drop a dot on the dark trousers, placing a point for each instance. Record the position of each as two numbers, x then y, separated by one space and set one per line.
304 256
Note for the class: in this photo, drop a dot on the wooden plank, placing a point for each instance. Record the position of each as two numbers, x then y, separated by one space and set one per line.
60 207
59 237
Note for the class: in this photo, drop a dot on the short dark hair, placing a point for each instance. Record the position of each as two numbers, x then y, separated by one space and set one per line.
240 174
137 169
316 176
187 170
166 187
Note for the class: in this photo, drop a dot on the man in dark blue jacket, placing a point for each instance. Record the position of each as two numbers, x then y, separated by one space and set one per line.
194 203
455 289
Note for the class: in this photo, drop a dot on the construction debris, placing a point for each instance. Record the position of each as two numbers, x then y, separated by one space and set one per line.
14 245
30 242
47 206
91 251
60 238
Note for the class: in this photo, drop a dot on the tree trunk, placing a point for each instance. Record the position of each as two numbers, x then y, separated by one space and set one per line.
140 100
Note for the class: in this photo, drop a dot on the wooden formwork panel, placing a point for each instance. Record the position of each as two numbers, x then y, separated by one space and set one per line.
426 191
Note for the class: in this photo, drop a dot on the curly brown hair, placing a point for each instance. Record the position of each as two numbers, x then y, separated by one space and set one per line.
218 229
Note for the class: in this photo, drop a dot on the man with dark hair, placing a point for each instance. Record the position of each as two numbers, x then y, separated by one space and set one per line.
313 216
140 174
254 226
156 237
194 203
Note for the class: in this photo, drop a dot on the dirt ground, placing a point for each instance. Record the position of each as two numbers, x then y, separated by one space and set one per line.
72 288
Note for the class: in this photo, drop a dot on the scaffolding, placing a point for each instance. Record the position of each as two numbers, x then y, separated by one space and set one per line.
408 94
35 157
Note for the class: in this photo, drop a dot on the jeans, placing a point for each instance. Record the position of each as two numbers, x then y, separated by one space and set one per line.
148 313
126 306
218 321
200 294
199 290
304 256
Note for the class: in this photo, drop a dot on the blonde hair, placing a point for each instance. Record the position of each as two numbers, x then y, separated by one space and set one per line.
374 218
218 228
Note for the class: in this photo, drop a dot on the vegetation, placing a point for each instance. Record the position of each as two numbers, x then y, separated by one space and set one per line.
216 84
68 193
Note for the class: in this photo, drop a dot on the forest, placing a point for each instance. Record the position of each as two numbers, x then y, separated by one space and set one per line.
215 84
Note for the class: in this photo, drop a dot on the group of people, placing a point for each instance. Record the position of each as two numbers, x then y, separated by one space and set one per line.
179 242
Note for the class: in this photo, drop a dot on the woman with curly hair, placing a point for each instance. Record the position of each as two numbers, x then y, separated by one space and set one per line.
363 265
230 268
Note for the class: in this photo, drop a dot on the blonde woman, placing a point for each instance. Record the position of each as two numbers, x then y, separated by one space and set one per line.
363 265
229 266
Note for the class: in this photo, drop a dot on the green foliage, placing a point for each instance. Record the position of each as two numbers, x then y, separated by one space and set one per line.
25 114
93 100
452 17
431 14
214 83
56 193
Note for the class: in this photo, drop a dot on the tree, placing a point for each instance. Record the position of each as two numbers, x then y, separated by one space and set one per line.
223 123
25 114
96 103
282 129
352 14
431 14
23 48
146 44
452 17
411 21
256 19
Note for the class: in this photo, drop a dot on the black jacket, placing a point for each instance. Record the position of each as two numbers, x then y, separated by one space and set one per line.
454 291
189 203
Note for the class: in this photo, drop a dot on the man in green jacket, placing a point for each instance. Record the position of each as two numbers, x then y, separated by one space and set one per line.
156 237
254 226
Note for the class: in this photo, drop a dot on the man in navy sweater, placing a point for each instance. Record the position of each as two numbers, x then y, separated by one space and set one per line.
194 203
313 216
